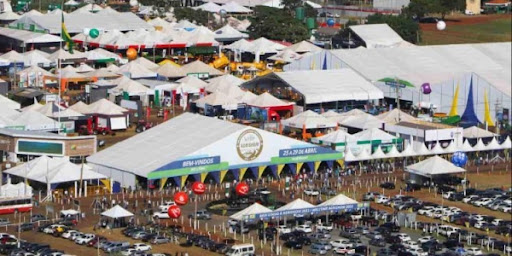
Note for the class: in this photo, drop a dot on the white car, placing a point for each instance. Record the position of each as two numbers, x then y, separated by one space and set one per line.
129 251
75 236
304 228
232 222
425 239
161 215
84 239
344 249
447 195
469 198
404 237
417 252
482 202
505 208
324 227
52 228
165 206
283 229
496 222
426 210
140 247
474 251
478 217
69 233
381 199
341 242
411 244
311 192
480 224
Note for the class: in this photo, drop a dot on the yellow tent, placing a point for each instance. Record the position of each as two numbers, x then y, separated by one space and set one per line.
163 62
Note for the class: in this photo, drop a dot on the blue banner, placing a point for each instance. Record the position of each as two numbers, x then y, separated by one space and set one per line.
189 163
305 211
305 151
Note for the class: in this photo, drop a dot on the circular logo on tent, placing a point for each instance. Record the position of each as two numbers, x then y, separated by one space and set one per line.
249 145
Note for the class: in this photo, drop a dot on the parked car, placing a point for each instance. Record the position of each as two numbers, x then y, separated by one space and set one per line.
160 240
202 215
25 227
304 228
317 249
388 185
324 227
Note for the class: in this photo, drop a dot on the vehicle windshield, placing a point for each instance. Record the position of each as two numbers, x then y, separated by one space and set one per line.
231 250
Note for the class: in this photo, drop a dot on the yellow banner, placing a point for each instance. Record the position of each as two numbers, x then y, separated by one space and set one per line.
261 169
106 183
317 165
162 183
340 162
280 168
183 180
242 173
299 166
487 112
203 176
455 103
222 175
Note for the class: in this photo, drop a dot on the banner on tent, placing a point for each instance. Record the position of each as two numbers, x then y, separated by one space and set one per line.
304 211
189 166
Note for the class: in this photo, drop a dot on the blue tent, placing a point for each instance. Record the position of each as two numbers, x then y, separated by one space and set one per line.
469 117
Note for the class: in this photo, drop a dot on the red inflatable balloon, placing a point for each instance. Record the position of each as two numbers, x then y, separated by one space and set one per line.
199 188
181 198
174 212
242 189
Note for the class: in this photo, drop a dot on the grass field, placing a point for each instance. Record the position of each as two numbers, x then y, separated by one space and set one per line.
473 29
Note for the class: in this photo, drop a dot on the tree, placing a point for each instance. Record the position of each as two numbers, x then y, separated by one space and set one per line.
407 28
291 5
310 11
420 8
185 13
276 24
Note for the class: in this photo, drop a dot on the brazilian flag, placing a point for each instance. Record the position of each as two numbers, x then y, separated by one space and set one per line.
65 35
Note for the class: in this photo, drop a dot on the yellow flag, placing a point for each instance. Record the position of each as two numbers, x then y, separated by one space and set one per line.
487 114
455 102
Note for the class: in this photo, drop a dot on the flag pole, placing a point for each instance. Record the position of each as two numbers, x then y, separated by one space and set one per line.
59 68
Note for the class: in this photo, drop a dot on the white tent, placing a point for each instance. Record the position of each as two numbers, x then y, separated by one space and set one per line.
295 205
215 83
135 70
170 71
251 210
241 45
308 119
247 97
332 115
9 190
146 63
193 81
349 157
437 149
106 107
362 122
339 200
264 46
466 147
393 152
374 134
132 87
13 56
480 146
35 121
218 99
72 3
266 100
493 145
6 102
198 68
82 68
228 33
234 7
507 144
303 46
395 116
62 54
35 58
408 151
378 153
286 55
421 149
475 132
364 155
117 212
451 148
336 137
208 7
433 166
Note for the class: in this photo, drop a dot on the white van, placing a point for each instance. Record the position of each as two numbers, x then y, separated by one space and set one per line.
241 250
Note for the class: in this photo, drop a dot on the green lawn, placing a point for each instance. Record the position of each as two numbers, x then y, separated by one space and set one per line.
498 30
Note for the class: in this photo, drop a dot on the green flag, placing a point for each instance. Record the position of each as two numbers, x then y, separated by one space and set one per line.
65 35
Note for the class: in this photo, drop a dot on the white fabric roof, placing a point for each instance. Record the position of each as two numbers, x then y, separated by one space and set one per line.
208 7
13 56
101 107
88 8
215 83
362 122
327 85
479 146
234 7
101 54
434 166
266 100
82 68
218 99
475 132
339 200
193 81
147 63
507 144
170 70
295 205
117 212
15 190
286 55
53 170
228 33
338 136
135 70
8 16
29 37
303 46
6 102
264 46
78 20
240 45
251 210
379 36
395 116
310 120
62 54
490 61
36 57
200 67
374 134
34 121
132 87
35 70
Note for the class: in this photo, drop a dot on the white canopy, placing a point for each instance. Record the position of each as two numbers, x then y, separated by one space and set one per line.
349 156
215 83
338 136
193 81
378 153
393 152
309 120
241 45
234 7
199 67
379 36
266 100
251 210
303 46
135 70
361 122
170 71
493 145
408 151
395 116
437 149
295 205
374 134
451 148
146 63
264 46
364 155
507 144
132 87
475 132
15 190
101 107
480 146
116 212
247 97
228 33
13 56
6 102
208 7
340 199
218 99
286 55
421 149
72 3
36 57
466 147
434 166
62 54
35 121
49 170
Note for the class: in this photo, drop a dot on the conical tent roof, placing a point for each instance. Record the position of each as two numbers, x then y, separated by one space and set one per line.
364 155
80 107
228 33
234 7
146 63
408 151
437 149
421 149
13 56
198 67
84 68
285 56
493 145
332 115
62 54
241 45
218 99
354 112
106 107
35 70
340 199
135 70
295 205
395 116
132 87
310 120
349 156
208 7
117 212
36 57
480 146
393 152
112 68
251 210
264 46
100 54
451 148
507 144
247 97
193 81
304 46
466 147
363 122
215 83
469 117
474 132
169 70
374 134
266 100
338 136
101 73
378 153
434 166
